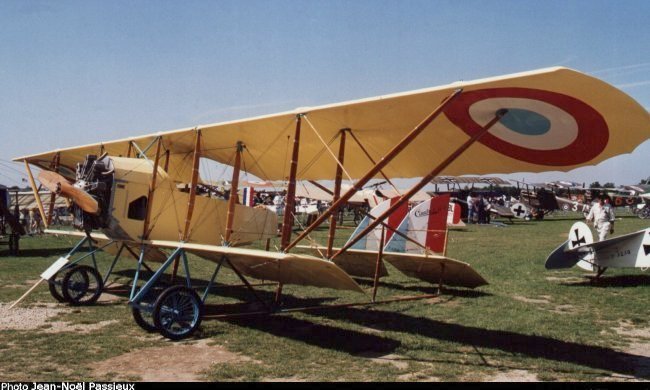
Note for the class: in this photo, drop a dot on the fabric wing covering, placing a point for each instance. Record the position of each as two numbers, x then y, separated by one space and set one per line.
558 119
286 268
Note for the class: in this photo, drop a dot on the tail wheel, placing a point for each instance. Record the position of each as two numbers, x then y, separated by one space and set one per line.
82 285
178 312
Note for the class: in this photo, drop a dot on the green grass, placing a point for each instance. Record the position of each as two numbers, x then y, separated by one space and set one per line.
554 324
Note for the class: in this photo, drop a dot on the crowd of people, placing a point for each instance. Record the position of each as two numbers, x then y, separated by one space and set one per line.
32 222
478 207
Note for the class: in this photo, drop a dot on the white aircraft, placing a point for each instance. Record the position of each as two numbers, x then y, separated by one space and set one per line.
627 251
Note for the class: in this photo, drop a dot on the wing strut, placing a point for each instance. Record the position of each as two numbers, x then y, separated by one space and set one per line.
55 168
425 180
190 203
234 188
37 197
152 191
290 199
365 151
397 149
337 193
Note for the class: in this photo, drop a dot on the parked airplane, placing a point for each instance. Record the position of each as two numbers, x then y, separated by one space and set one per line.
627 251
143 193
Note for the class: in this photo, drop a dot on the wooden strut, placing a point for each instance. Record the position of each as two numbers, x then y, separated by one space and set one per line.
337 193
380 253
396 150
39 203
425 180
128 152
234 197
192 197
167 161
290 199
320 186
289 207
363 149
55 167
152 191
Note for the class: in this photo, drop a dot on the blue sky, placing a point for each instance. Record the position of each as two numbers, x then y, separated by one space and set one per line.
76 72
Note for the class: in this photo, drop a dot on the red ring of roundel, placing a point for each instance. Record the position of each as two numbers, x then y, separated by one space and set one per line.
593 133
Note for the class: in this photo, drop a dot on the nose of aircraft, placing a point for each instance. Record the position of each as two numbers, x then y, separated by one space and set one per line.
61 186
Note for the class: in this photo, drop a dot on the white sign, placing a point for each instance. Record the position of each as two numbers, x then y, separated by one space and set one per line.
54 268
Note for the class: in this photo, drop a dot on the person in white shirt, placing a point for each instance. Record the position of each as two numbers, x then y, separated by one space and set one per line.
470 209
602 215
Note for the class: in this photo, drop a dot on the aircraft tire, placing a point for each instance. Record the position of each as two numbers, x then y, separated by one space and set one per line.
178 312
55 287
82 285
144 318
645 213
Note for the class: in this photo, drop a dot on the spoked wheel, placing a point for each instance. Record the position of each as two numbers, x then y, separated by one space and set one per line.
178 312
143 316
82 285
645 213
55 284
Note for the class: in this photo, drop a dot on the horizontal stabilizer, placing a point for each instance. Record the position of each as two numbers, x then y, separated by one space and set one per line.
562 257
595 246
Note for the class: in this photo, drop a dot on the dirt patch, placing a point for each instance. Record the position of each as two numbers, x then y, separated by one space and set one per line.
639 348
544 299
641 362
289 379
628 329
417 377
28 318
396 360
110 298
14 286
176 362
514 376
60 326
564 309
568 279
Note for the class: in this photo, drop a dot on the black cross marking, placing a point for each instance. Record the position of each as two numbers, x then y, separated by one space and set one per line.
519 210
579 240
646 249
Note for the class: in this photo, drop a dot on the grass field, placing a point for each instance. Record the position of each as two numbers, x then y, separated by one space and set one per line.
527 324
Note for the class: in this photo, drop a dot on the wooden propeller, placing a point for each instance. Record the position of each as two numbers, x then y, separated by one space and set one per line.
61 186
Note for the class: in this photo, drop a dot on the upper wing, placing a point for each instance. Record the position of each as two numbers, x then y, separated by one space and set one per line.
558 119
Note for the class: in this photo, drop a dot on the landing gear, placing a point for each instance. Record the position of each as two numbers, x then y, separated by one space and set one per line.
142 313
55 283
601 271
177 312
645 212
82 285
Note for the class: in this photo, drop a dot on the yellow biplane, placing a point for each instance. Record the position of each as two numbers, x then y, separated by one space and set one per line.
143 197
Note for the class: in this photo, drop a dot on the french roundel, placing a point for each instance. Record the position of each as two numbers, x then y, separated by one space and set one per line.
540 127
